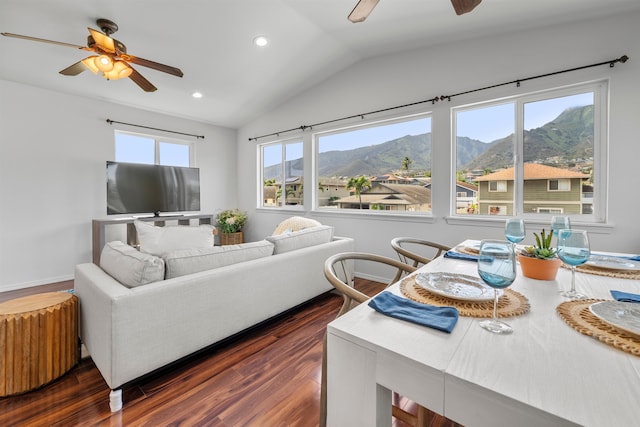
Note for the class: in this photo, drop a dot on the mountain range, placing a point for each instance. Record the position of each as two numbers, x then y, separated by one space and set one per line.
566 138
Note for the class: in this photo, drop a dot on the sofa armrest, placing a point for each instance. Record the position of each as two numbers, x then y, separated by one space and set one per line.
96 292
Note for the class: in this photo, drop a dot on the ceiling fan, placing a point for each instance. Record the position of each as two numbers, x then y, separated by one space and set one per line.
364 7
111 59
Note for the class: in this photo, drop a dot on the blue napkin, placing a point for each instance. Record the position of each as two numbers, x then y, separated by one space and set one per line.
460 255
441 318
625 296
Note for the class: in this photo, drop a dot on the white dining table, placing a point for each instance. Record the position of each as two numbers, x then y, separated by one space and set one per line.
543 374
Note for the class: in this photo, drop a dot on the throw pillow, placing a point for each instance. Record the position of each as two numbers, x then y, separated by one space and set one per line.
295 223
301 239
159 240
183 262
130 267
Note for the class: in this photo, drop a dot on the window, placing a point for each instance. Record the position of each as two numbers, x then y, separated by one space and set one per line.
282 173
498 186
536 154
136 148
381 166
559 185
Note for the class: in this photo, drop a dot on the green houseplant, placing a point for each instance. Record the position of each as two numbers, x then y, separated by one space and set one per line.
230 223
540 260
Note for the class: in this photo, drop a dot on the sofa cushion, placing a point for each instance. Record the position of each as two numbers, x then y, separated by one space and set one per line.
159 240
187 261
295 223
301 239
129 266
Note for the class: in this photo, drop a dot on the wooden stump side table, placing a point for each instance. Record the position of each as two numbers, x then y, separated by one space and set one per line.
38 340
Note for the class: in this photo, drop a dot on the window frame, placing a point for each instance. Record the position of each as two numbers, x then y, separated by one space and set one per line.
157 140
360 125
600 89
282 205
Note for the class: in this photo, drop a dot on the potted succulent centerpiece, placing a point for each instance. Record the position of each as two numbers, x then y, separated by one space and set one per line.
540 261
230 222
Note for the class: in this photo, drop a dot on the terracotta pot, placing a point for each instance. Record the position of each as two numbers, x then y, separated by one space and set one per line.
541 269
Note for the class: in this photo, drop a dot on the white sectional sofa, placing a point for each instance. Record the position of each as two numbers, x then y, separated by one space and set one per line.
140 312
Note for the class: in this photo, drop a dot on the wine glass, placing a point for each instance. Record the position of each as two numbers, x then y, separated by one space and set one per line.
573 249
514 230
560 222
497 268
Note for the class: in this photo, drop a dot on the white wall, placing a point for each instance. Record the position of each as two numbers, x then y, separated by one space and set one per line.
452 68
53 149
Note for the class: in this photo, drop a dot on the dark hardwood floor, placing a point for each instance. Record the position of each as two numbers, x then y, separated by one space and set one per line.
269 376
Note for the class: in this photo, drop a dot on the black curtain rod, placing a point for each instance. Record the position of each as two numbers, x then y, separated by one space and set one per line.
517 82
148 127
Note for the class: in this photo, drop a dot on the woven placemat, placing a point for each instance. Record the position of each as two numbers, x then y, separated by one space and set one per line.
510 304
577 315
620 274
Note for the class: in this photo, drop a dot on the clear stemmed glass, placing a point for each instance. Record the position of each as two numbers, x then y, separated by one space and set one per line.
514 230
573 249
497 268
559 223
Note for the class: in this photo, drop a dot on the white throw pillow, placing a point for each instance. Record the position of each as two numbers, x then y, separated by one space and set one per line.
295 223
130 267
160 240
301 239
188 261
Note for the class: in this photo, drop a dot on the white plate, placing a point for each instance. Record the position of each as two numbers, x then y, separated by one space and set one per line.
621 315
613 263
456 286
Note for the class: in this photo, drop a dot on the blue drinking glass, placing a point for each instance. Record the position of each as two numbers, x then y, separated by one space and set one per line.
497 268
573 250
514 230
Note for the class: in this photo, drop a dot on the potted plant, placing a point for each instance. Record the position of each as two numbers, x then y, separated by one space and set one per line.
230 222
540 261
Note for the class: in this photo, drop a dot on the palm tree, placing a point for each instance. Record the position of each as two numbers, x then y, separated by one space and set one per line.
406 162
359 185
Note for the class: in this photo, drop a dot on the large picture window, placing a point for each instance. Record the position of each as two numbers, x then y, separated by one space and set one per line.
282 173
533 154
137 148
382 166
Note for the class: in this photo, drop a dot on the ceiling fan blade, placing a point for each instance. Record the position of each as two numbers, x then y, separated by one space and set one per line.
142 82
362 10
36 39
103 41
464 6
154 65
74 70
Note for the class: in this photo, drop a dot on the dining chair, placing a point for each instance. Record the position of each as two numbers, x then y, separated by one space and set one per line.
417 252
339 271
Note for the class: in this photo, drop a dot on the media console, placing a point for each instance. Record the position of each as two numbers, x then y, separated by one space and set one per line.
98 227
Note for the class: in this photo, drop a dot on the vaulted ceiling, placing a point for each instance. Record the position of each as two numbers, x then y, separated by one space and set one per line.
211 42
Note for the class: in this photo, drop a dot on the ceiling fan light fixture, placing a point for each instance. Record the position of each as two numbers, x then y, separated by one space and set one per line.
104 63
90 63
120 70
362 10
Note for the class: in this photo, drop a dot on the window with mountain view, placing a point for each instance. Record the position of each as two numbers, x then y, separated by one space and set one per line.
556 162
282 174
384 166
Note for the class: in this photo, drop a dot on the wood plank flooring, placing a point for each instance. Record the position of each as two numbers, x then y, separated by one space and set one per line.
269 376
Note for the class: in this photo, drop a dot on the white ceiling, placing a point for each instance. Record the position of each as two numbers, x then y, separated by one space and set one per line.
211 41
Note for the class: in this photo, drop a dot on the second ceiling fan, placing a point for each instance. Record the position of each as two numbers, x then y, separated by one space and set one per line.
364 7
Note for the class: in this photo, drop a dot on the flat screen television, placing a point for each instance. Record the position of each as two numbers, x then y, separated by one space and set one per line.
134 188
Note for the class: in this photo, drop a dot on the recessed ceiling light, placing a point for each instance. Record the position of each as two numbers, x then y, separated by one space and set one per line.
260 41
196 95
